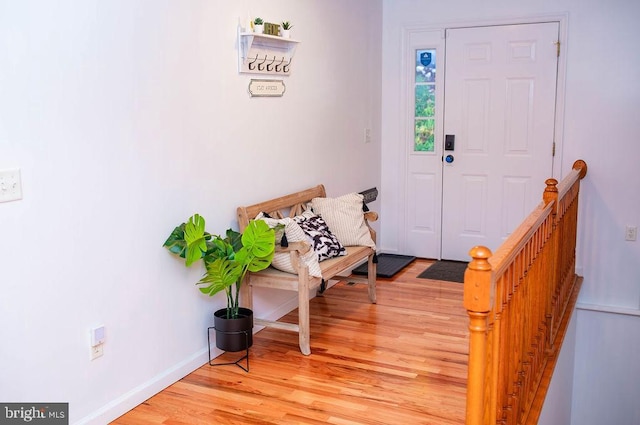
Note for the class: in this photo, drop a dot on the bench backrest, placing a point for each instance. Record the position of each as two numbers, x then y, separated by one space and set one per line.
288 205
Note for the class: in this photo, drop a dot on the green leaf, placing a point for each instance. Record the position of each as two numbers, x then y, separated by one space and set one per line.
194 229
220 275
260 263
175 243
219 248
234 239
194 235
259 239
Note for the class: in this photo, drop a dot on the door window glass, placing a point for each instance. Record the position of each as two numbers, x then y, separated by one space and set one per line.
425 100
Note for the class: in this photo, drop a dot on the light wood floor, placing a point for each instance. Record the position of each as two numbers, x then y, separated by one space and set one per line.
401 361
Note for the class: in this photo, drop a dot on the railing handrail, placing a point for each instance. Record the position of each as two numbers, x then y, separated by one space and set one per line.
578 172
503 256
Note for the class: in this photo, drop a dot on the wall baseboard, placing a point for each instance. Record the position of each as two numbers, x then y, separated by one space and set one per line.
609 309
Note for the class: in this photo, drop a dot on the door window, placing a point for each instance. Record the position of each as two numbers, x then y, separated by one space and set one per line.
425 100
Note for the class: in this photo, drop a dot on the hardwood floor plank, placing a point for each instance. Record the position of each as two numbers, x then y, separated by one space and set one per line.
402 360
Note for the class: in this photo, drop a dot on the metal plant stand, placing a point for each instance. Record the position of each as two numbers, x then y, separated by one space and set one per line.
237 362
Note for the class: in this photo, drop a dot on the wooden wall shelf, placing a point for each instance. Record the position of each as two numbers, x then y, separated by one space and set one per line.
265 54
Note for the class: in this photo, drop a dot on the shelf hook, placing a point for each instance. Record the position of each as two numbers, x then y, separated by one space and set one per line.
271 63
279 65
286 67
260 64
251 66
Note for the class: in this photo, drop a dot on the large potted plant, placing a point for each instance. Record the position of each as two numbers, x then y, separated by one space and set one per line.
226 260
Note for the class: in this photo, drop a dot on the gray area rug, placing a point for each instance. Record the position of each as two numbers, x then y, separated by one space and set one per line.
451 271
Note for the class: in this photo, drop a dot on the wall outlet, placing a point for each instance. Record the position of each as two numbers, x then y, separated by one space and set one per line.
367 135
10 185
97 351
631 233
97 341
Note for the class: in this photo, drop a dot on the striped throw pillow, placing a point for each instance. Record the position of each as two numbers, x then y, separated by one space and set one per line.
345 218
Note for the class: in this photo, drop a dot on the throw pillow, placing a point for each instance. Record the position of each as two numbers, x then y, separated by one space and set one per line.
325 244
293 233
345 218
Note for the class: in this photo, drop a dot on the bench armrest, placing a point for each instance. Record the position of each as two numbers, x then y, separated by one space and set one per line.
301 247
371 216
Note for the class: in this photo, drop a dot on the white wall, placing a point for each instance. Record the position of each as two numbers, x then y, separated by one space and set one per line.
606 384
125 117
601 126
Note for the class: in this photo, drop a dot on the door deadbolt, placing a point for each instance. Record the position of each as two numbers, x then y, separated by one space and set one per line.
449 142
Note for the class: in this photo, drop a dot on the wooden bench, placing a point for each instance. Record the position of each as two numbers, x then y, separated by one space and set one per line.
332 269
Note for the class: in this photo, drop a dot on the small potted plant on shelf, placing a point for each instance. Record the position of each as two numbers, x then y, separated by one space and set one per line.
258 25
285 30
227 260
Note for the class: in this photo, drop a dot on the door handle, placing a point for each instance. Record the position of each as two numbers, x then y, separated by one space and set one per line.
449 159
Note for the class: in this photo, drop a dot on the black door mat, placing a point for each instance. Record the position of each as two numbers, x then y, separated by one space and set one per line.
451 271
388 265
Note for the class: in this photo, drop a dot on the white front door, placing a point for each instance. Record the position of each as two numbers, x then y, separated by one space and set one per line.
495 96
500 96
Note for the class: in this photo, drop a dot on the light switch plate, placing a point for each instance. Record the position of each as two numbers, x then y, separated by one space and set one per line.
97 336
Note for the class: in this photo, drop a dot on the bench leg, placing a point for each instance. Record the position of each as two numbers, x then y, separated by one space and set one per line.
303 311
371 278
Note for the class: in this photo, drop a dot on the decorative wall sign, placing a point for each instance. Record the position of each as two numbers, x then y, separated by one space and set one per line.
266 88
271 29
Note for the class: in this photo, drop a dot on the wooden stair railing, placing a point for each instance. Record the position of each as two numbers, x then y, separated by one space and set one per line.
519 300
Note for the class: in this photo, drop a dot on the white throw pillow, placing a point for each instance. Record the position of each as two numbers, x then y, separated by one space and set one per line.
293 233
345 218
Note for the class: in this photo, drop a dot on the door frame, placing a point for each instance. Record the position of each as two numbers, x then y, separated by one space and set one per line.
406 132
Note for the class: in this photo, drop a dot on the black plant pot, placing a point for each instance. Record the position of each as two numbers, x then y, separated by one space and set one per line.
234 334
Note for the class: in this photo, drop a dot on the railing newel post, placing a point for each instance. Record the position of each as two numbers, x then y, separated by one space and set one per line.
478 298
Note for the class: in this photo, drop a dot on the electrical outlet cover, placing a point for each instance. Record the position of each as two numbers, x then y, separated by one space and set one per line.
10 185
